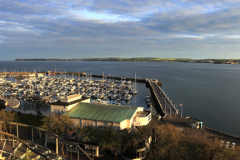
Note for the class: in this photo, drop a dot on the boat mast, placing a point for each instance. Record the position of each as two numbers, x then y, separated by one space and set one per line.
135 82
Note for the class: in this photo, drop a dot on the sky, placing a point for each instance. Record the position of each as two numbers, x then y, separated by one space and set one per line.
196 29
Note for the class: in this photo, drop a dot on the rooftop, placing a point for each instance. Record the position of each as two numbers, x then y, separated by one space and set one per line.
71 97
190 119
100 112
74 96
59 103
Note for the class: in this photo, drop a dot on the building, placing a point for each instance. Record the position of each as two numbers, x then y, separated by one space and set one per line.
194 123
66 103
100 115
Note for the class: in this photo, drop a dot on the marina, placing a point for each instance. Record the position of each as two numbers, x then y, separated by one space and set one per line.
200 87
51 87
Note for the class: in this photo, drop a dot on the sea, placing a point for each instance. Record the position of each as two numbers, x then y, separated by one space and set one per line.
208 92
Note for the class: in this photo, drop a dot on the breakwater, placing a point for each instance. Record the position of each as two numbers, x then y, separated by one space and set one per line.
17 74
121 78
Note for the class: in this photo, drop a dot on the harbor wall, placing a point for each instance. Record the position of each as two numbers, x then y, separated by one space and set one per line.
222 133
75 73
119 78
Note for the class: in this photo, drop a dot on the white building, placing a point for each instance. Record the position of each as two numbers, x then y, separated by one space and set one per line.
66 103
100 115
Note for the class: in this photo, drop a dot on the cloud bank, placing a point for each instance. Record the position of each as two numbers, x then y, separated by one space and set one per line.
119 28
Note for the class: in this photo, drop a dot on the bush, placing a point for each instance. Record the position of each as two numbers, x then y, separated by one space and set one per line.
2 106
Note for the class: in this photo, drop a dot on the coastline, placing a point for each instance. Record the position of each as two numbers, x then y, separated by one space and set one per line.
144 59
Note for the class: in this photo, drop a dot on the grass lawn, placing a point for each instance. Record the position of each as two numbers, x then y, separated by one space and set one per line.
30 119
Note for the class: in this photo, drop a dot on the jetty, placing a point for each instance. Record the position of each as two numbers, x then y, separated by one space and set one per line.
163 104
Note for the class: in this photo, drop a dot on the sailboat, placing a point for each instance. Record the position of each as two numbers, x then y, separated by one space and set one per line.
134 91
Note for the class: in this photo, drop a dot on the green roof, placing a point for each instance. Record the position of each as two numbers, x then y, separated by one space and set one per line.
101 112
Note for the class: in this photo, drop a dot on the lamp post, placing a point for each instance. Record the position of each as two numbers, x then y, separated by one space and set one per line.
181 108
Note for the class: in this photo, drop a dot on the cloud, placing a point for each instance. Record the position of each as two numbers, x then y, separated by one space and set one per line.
119 27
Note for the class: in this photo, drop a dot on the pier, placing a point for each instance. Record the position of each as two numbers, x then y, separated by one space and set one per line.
163 105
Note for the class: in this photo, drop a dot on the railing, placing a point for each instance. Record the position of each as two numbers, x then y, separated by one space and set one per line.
40 136
14 138
155 89
156 99
170 102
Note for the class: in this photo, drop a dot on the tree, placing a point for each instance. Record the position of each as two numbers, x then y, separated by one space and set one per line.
167 143
130 143
38 105
2 105
173 144
58 125
111 140
7 116
90 135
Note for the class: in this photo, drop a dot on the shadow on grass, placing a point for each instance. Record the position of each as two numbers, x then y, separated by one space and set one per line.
30 119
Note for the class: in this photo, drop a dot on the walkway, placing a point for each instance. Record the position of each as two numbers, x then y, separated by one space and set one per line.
163 104
13 103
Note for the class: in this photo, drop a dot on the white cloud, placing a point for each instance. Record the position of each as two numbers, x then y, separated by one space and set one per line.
117 26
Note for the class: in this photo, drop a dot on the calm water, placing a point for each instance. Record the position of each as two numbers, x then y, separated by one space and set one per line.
209 92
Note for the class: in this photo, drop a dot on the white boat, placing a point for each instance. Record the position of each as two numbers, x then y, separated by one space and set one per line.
129 82
127 97
134 91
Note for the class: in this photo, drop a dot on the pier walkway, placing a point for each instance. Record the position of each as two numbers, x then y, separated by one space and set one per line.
162 103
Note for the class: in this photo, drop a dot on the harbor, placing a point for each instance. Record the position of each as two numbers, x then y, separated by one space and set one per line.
51 86
103 91
121 72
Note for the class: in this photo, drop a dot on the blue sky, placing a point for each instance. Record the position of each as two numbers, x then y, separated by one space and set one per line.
195 29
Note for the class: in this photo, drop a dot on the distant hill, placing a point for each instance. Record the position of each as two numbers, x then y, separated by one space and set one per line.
145 59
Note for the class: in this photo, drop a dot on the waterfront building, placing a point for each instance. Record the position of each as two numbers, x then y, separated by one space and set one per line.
66 103
100 115
194 123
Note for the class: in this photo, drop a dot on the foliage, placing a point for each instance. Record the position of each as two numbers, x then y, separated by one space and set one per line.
90 135
2 106
58 125
173 144
8 116
38 105
111 140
